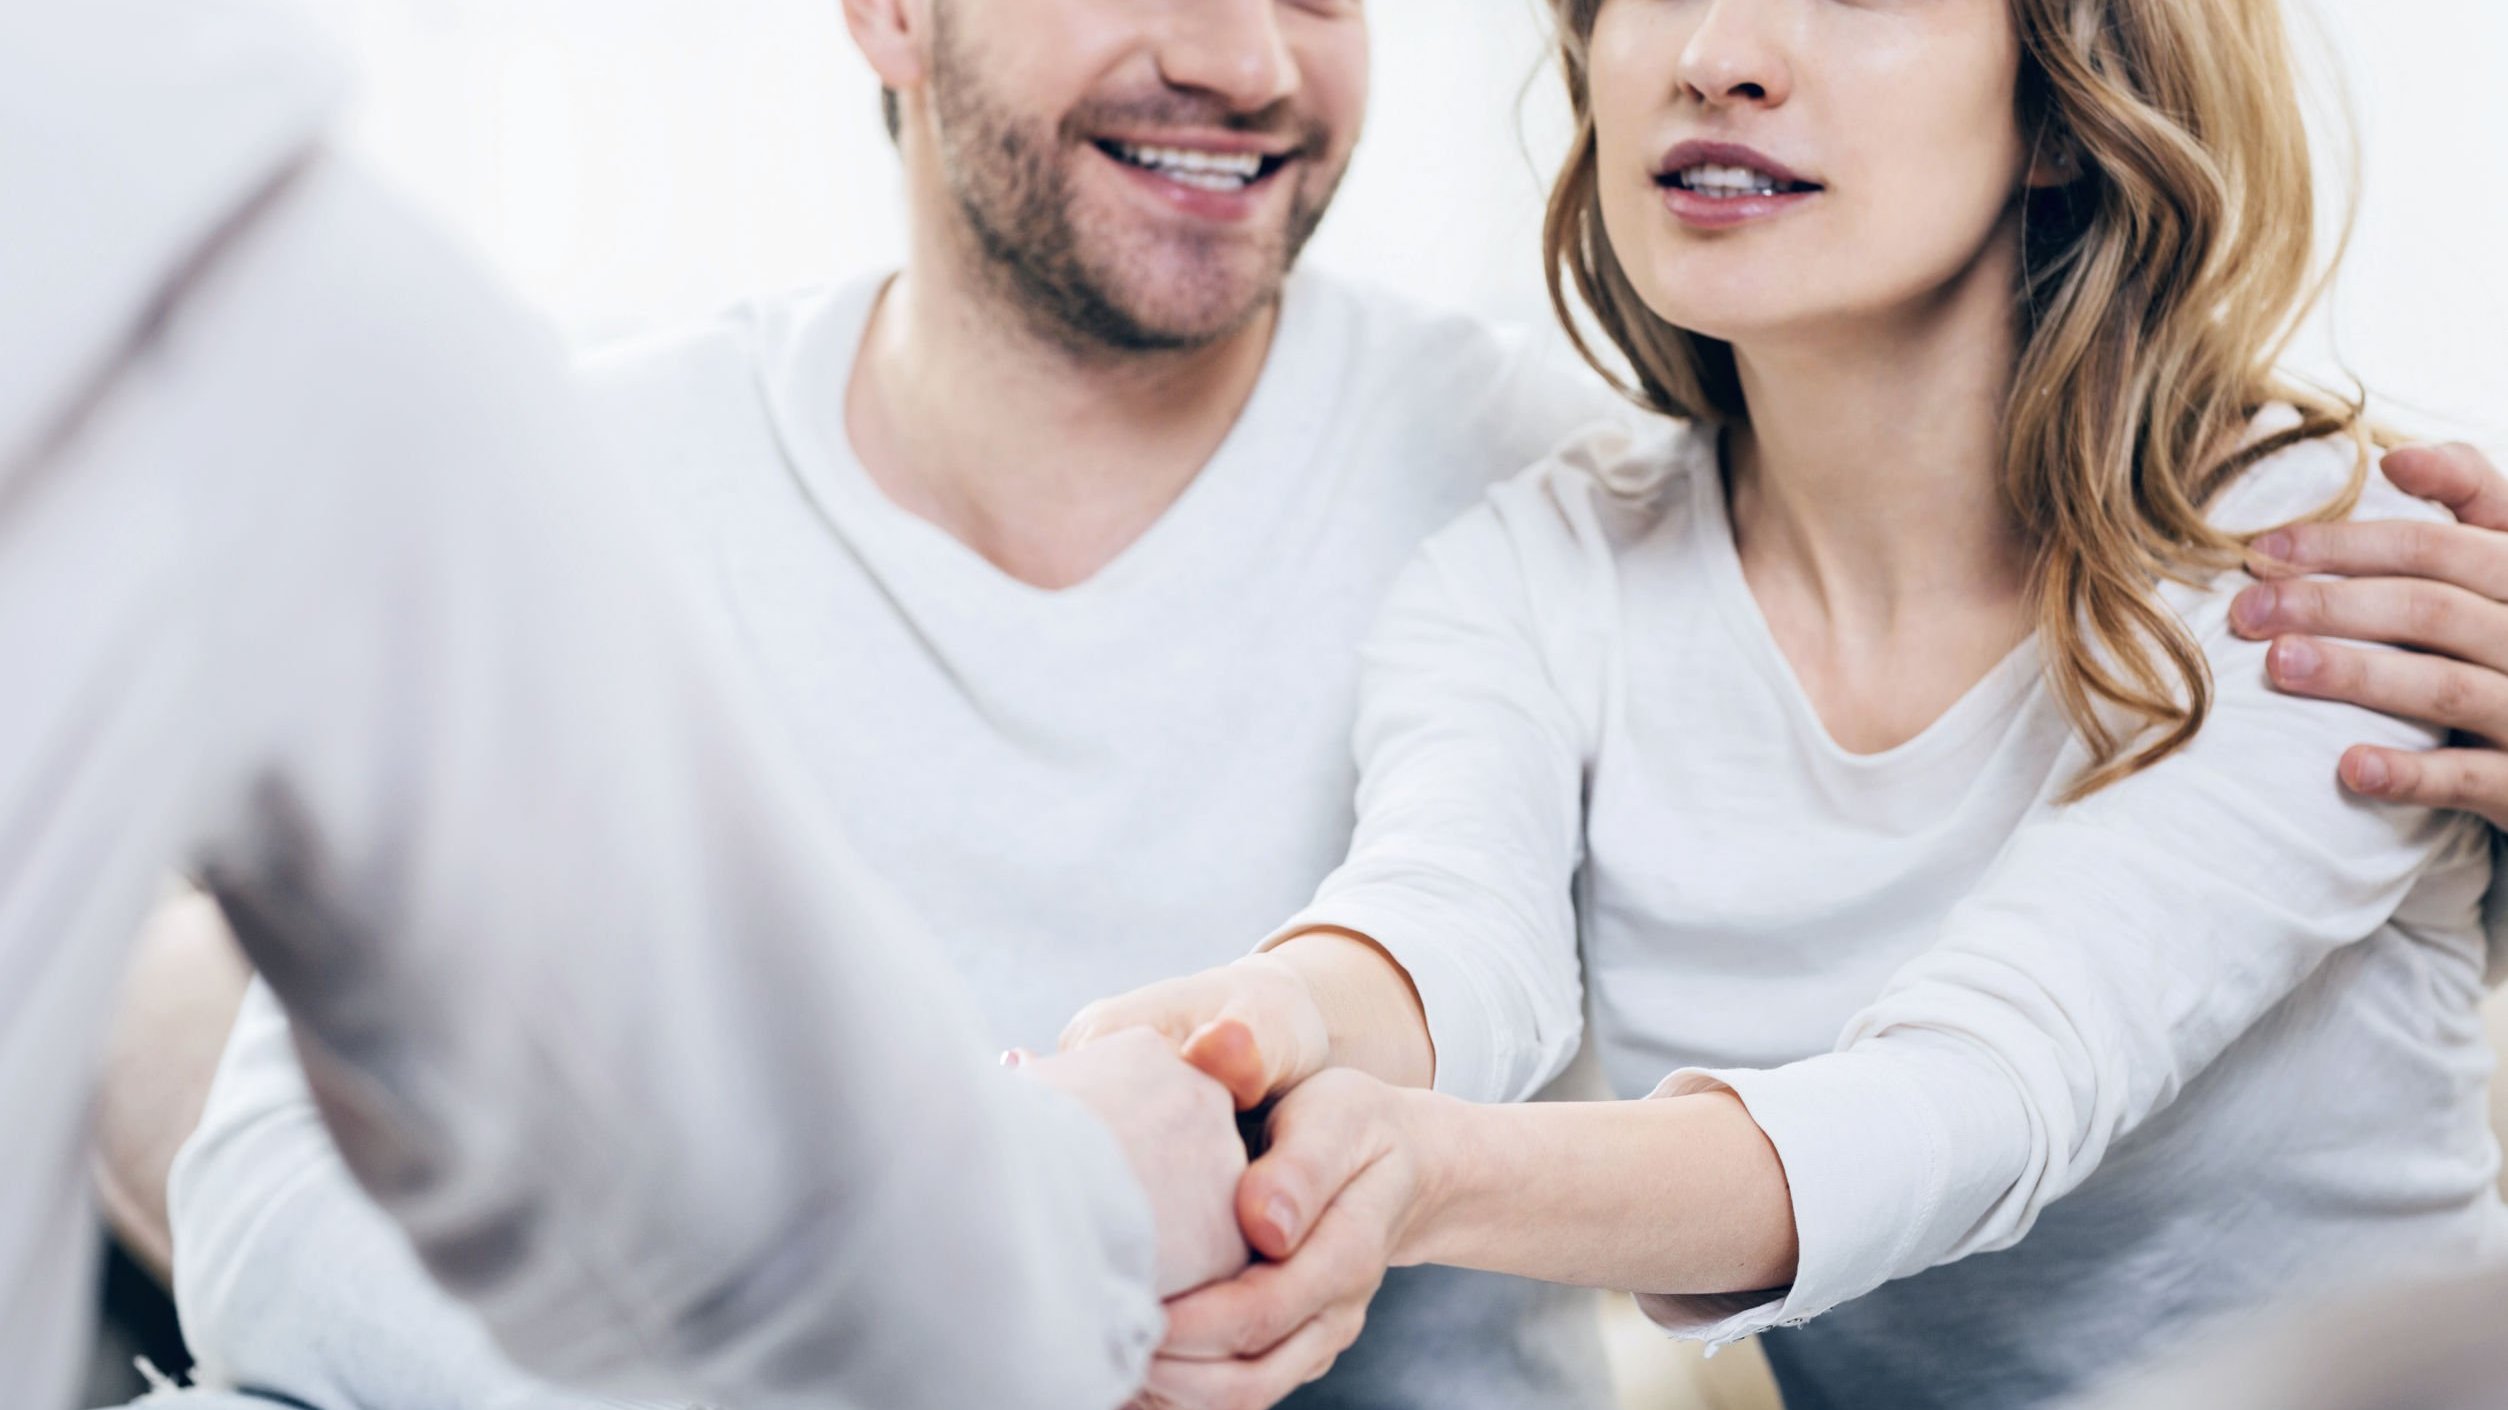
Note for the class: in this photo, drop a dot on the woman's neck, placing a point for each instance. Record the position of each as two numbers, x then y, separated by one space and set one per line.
1872 464
1868 508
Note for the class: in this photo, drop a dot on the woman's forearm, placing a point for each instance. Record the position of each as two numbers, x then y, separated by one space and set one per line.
1678 1195
1371 1013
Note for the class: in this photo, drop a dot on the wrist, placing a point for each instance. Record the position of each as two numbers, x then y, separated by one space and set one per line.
1446 1141
1367 1012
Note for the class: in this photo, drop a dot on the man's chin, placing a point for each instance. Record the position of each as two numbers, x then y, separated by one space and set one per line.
1194 306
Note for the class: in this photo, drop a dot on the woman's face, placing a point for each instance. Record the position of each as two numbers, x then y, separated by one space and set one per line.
1776 167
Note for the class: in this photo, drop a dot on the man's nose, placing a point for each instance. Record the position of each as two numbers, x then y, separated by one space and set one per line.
1233 49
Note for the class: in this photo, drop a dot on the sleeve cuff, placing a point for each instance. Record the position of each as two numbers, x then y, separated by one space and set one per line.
1863 1146
1474 1049
1102 1179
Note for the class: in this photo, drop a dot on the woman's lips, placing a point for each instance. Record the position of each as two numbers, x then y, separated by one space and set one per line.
1717 185
1723 212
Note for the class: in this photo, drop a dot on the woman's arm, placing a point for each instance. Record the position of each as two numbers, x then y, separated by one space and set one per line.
1444 947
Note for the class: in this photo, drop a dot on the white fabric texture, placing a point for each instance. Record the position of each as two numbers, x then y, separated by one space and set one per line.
2209 1030
311 577
1078 791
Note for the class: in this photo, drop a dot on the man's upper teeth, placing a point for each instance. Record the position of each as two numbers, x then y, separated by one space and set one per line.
1244 165
1729 178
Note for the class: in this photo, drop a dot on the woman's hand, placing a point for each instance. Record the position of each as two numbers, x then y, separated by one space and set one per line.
1344 1184
2439 588
1253 1025
1263 1025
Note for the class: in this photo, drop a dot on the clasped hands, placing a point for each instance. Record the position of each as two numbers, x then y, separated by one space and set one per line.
1279 1257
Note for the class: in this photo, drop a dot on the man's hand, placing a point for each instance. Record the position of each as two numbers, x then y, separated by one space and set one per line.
2439 588
1178 1128
1331 1205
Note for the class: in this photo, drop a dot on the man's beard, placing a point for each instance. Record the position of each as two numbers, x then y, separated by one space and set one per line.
1014 193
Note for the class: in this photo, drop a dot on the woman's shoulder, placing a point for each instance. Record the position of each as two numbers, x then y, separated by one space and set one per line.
1608 484
1554 534
2306 478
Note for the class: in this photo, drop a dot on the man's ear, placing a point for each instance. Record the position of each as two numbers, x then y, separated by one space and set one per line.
890 34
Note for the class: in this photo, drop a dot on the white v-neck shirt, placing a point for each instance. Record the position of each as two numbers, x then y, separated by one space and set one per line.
1079 791
2209 1033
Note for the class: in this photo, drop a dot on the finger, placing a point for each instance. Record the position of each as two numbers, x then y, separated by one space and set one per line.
1322 1136
1227 1050
2406 684
2458 477
2460 780
1257 1382
2474 559
2401 611
1342 1264
1107 1017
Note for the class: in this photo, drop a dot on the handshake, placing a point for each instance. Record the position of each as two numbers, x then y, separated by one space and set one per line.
1268 1257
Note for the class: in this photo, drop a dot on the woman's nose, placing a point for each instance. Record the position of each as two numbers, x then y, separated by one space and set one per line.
1736 55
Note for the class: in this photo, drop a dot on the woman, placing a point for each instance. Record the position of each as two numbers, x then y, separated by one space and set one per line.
1876 727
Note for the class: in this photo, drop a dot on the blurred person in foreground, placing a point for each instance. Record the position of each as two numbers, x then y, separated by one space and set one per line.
308 580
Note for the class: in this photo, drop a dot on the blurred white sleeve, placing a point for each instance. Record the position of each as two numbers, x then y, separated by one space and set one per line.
595 1003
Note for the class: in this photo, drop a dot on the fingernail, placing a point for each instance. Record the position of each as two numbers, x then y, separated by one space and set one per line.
2277 547
2370 774
2253 609
2295 659
1016 1057
1283 1216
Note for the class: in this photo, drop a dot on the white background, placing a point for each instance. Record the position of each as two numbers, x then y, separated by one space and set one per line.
632 162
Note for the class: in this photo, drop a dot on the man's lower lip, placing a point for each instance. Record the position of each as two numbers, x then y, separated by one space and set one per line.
1719 212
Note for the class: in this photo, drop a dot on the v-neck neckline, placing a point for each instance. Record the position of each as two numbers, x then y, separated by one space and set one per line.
1986 702
1226 499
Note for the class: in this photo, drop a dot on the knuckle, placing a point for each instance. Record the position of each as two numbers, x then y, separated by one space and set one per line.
2415 610
2455 697
2420 549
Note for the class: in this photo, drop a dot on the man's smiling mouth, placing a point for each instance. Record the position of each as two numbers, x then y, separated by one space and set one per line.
1202 170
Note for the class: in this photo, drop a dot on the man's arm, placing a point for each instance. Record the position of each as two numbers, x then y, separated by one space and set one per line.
178 1004
288 1278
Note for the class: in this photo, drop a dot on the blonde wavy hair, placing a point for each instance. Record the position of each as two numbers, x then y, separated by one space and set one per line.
2162 282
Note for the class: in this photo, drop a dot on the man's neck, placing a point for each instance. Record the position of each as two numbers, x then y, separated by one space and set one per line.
1048 461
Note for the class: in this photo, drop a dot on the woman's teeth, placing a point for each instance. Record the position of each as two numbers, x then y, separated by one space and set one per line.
1733 181
1209 171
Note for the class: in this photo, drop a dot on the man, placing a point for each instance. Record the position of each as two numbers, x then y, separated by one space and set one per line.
1109 496
306 578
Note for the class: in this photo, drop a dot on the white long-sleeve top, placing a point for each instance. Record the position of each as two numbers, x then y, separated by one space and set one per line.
2206 1031
310 574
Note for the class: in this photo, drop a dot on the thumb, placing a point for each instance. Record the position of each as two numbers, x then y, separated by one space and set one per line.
1229 1052
1323 1135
